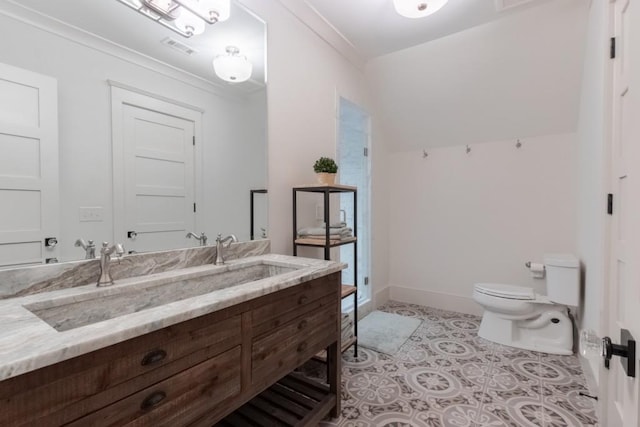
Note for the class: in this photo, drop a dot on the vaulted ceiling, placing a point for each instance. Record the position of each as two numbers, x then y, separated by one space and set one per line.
374 28
510 78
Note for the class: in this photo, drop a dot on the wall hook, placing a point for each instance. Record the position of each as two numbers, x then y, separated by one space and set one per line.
518 143
425 154
468 149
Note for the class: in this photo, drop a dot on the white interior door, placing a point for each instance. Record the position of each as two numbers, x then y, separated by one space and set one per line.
154 168
621 394
29 207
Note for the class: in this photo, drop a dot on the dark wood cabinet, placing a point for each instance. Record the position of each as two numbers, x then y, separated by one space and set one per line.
193 373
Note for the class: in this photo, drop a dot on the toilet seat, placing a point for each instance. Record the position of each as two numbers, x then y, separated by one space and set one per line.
506 291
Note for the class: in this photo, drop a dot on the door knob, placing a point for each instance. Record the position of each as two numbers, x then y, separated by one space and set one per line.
591 345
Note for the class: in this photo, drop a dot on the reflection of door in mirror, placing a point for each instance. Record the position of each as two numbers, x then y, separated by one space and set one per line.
28 167
154 144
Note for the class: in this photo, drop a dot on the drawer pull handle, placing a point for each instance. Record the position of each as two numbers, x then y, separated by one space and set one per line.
153 400
302 325
302 347
153 357
303 300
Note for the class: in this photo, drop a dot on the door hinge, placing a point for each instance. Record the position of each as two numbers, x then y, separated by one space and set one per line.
194 140
194 207
610 204
366 280
612 48
366 152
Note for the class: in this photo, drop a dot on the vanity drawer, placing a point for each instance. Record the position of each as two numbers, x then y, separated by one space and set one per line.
177 400
292 303
277 353
67 390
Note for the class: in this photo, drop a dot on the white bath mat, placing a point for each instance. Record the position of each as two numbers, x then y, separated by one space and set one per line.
385 332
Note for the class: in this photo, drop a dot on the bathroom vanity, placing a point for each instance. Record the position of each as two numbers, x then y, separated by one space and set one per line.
192 361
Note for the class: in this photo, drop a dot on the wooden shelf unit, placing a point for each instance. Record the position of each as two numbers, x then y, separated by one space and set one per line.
292 401
327 243
321 243
348 290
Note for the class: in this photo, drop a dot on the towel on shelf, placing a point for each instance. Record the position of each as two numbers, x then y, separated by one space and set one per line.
346 330
321 232
340 224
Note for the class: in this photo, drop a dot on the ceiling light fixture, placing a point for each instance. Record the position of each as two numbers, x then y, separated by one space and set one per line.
418 8
185 17
232 67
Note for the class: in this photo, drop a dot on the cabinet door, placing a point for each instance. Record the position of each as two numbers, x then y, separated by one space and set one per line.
177 400
277 353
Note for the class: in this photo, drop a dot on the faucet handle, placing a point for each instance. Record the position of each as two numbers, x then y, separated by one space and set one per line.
119 249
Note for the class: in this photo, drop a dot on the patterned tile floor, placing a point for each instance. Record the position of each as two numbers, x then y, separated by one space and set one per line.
445 375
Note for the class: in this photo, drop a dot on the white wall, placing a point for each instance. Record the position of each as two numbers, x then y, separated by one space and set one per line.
306 76
85 132
458 219
592 158
514 77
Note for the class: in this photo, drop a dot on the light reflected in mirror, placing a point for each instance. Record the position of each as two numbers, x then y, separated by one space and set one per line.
115 128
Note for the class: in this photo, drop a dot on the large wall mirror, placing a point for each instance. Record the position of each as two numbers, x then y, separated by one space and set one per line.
113 127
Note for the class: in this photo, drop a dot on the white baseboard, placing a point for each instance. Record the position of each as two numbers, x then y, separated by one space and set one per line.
381 296
590 371
365 308
439 300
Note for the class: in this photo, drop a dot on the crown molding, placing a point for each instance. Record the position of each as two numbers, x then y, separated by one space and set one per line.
317 23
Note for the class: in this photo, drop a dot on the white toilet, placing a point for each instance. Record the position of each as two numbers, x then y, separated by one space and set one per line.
516 316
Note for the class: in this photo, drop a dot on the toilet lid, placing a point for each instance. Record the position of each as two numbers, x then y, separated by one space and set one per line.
506 291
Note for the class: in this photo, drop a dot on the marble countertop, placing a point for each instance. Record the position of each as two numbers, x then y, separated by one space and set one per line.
28 343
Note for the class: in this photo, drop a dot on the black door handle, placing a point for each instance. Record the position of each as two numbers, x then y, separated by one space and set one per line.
626 350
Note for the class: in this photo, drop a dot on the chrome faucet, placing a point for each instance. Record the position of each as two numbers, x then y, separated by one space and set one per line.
220 245
202 237
89 248
105 262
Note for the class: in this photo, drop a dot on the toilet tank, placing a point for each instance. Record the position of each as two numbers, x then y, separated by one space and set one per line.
563 278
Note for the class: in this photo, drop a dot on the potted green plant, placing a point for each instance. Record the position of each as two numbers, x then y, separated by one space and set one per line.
325 169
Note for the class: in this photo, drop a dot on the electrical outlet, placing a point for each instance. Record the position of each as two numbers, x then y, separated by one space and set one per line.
91 214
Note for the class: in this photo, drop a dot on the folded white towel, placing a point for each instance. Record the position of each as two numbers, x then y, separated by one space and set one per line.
322 231
340 224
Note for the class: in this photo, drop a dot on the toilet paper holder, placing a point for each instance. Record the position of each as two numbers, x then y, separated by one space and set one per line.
536 272
528 264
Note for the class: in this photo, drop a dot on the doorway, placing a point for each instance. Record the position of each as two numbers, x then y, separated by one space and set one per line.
354 135
619 392
154 152
29 193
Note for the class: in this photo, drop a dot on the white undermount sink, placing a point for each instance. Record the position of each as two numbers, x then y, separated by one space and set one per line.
108 303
